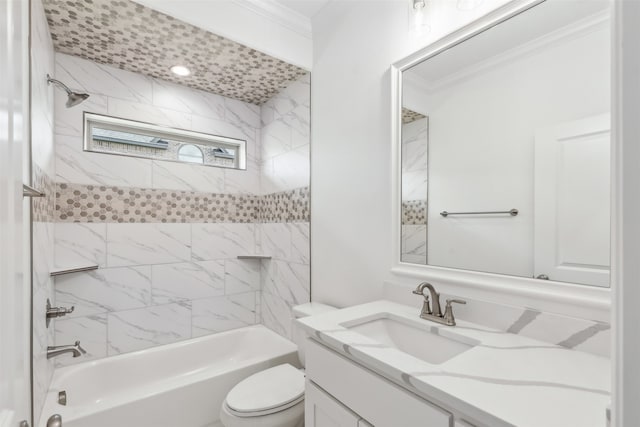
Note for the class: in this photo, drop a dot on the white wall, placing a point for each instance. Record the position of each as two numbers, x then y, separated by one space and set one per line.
481 146
354 44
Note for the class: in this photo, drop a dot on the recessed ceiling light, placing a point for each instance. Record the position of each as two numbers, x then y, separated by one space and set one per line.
180 70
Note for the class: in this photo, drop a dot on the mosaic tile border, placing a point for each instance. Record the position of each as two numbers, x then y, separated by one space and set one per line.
414 212
409 116
43 208
93 203
286 206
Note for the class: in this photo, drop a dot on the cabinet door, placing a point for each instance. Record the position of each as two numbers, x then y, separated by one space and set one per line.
322 410
461 423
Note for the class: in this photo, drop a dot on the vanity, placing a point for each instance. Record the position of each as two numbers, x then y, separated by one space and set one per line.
381 364
501 190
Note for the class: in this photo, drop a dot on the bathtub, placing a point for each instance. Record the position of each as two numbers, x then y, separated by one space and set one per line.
175 385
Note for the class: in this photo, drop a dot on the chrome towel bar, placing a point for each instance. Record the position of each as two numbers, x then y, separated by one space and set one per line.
512 212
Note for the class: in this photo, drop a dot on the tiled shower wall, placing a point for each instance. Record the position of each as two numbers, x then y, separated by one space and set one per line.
285 231
43 176
415 150
165 235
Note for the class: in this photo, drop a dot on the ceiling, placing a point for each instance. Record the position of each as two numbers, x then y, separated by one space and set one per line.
308 8
136 38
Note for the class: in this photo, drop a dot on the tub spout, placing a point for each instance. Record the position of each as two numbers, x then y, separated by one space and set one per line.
76 350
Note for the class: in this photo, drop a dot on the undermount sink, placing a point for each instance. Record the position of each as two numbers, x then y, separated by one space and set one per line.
429 343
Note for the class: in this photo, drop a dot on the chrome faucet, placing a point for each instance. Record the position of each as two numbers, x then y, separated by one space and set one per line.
76 350
433 311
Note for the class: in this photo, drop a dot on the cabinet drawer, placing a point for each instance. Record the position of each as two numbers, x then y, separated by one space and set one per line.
322 410
371 396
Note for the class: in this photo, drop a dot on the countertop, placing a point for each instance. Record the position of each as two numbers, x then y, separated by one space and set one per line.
505 379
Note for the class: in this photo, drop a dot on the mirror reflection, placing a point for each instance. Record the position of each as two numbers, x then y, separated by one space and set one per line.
505 149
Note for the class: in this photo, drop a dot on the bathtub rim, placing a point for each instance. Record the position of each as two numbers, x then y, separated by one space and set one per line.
284 348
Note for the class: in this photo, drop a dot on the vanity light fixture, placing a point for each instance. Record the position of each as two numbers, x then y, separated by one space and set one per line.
180 70
468 4
419 23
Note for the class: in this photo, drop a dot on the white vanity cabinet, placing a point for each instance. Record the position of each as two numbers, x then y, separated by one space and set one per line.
350 392
322 410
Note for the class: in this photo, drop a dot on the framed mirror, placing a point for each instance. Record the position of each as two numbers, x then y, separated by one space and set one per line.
504 147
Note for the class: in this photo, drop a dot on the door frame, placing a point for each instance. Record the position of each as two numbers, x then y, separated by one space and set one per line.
626 213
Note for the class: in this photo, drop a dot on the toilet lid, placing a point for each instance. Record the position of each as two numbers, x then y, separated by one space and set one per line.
267 390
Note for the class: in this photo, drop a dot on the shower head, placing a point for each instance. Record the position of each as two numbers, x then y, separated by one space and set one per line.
76 98
73 98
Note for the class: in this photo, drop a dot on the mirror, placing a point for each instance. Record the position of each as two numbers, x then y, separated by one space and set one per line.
505 148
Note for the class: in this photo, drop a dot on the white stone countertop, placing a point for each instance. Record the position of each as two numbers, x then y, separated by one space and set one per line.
505 379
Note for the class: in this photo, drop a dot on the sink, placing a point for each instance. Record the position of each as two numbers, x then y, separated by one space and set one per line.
429 343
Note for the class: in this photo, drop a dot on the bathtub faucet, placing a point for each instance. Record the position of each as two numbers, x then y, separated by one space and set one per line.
53 351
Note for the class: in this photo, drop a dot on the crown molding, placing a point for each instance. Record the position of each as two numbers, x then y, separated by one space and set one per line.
279 14
562 35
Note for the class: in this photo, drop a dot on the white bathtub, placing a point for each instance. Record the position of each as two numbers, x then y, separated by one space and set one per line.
175 385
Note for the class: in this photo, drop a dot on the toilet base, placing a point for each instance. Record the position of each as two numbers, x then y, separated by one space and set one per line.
290 417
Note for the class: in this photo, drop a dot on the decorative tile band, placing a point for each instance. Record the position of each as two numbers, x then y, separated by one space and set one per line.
414 212
43 208
91 203
409 116
287 206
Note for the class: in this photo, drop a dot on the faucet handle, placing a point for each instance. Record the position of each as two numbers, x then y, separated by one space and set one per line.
82 350
449 319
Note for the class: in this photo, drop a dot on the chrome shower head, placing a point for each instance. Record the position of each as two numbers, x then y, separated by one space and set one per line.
76 98
73 98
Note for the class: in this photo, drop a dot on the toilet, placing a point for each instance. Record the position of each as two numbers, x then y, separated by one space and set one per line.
273 397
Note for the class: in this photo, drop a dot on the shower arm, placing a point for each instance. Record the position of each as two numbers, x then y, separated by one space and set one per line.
59 83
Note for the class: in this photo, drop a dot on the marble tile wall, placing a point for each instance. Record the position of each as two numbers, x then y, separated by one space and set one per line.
157 283
133 96
285 148
42 212
415 148
166 235
167 273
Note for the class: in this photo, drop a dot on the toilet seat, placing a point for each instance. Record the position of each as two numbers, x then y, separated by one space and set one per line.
267 392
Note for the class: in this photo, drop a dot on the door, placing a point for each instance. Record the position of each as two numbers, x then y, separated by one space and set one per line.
572 196
15 283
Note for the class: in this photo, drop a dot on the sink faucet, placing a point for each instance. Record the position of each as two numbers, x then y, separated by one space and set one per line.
435 299
76 350
434 312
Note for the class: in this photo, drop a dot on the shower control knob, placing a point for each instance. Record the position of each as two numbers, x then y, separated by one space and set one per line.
53 312
54 420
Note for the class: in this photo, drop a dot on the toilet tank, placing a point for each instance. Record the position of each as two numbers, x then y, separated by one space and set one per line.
305 310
